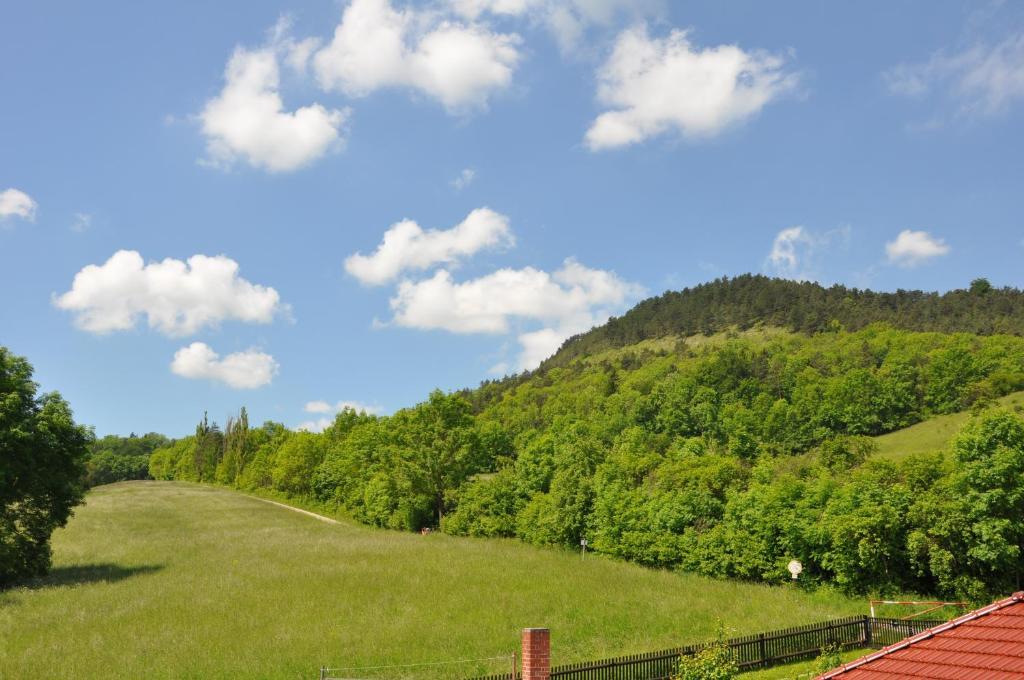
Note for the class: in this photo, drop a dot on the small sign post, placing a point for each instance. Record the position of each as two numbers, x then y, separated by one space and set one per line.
583 547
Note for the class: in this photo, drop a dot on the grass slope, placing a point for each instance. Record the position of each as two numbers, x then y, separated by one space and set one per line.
172 580
933 434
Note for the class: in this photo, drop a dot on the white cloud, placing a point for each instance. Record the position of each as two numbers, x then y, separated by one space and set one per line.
796 251
985 80
377 46
16 203
785 256
247 119
177 298
567 20
659 85
406 246
464 179
911 248
568 301
242 370
320 406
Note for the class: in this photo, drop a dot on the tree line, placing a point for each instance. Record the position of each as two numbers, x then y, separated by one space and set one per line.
727 456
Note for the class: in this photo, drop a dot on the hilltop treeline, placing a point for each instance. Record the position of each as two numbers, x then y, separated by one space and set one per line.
801 306
727 456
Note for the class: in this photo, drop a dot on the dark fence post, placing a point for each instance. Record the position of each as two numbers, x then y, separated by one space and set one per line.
762 647
867 631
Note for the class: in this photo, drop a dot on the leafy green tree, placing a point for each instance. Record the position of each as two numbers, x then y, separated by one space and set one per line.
969 533
438 447
42 469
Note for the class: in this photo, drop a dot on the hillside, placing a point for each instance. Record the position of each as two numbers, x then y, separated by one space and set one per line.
801 306
935 433
725 455
170 580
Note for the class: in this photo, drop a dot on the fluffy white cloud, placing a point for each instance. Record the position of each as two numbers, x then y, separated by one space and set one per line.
657 85
914 247
242 370
568 20
375 46
406 246
247 119
568 301
176 297
16 203
985 80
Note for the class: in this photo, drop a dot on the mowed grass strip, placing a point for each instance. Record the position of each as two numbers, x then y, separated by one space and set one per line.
174 580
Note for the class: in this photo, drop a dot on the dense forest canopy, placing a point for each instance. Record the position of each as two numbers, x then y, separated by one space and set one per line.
802 306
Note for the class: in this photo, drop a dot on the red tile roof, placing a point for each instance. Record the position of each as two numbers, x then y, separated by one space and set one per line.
986 644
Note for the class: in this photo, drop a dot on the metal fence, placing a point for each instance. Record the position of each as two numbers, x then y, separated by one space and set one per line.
760 650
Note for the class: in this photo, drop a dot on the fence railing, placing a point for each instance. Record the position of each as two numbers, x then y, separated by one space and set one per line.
760 650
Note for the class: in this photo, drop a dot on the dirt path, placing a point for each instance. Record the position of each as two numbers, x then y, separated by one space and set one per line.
294 509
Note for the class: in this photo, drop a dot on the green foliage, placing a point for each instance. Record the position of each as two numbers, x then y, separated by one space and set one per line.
714 662
831 656
42 469
727 456
116 459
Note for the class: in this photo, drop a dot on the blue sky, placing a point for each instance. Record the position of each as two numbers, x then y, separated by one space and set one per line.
292 205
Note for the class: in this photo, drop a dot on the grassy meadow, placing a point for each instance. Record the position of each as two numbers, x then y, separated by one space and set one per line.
934 434
174 580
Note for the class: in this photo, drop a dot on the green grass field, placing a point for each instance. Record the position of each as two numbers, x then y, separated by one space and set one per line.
171 580
933 434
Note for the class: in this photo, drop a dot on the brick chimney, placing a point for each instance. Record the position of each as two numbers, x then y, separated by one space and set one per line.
536 654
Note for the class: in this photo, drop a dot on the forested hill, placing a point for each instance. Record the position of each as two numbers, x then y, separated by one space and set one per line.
800 306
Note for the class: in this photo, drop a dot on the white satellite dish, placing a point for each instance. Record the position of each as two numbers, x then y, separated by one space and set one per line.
795 568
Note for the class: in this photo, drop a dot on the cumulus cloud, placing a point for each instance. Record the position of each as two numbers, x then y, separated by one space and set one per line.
658 85
241 370
911 248
464 179
984 80
567 301
16 203
460 64
407 247
247 119
177 298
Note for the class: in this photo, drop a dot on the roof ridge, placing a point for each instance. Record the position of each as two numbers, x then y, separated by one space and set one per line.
1016 598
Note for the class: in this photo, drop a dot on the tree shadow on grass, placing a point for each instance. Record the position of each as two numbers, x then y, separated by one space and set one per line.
84 574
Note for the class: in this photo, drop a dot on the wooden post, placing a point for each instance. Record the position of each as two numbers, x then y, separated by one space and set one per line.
513 666
867 631
323 672
763 649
